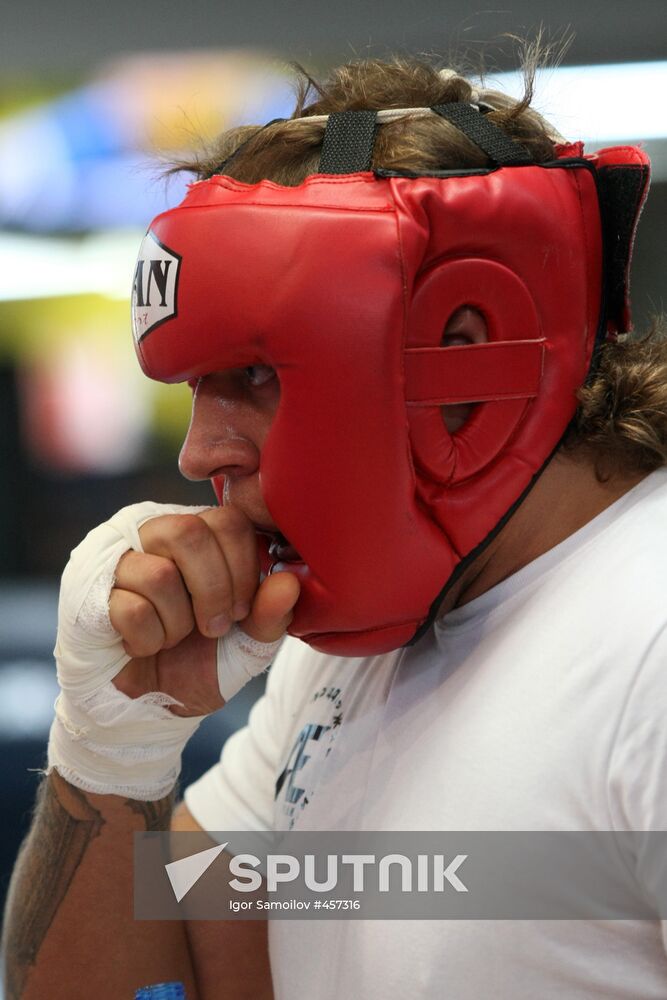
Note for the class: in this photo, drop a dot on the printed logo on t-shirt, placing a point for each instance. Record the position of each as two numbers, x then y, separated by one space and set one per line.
298 780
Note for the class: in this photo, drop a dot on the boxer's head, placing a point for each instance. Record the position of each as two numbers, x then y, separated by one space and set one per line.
342 268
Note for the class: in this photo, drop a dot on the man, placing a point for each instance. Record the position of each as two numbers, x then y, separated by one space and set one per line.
475 594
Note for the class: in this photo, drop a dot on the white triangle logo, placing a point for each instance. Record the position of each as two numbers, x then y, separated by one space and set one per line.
184 873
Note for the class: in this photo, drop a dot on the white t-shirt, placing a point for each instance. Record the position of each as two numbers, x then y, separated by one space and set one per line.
541 705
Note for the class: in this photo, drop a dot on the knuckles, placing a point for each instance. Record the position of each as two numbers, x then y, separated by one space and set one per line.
192 532
229 521
133 616
188 531
163 576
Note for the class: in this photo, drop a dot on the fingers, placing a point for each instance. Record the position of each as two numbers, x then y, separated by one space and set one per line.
216 556
197 572
272 610
159 582
235 535
135 618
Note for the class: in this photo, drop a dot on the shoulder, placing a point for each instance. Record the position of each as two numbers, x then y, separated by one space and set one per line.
636 544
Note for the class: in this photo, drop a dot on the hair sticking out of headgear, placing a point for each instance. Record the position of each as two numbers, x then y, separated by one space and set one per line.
409 136
451 74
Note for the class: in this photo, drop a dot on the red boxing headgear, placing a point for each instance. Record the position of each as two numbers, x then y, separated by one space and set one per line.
344 286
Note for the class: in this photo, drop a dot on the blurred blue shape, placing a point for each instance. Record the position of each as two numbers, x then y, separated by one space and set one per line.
28 689
28 618
67 167
77 164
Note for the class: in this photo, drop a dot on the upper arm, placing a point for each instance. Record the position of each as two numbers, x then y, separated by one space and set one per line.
230 957
182 820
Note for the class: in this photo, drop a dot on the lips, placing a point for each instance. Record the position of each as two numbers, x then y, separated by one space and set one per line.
275 551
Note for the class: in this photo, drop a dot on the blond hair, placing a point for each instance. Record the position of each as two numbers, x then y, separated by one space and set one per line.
287 152
621 420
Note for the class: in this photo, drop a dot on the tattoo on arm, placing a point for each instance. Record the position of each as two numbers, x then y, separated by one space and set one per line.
65 824
157 815
47 863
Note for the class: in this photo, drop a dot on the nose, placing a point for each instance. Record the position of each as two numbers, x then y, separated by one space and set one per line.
223 438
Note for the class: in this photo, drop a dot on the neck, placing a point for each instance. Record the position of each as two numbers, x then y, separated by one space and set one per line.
566 497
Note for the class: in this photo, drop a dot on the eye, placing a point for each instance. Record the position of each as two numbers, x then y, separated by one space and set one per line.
258 375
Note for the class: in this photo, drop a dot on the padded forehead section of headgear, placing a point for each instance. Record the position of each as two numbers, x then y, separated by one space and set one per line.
264 272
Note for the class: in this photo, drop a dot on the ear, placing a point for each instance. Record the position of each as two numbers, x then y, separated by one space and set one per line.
465 326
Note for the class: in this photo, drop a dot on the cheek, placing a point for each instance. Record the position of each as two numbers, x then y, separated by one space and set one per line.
229 423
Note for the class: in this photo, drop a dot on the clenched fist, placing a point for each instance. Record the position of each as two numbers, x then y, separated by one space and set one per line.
162 619
196 576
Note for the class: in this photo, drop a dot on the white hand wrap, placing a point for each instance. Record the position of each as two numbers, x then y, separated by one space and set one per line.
241 658
101 740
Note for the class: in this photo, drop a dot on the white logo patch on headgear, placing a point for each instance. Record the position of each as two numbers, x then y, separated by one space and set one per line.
155 288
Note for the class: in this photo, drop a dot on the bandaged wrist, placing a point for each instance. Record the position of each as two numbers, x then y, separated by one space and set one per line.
240 658
115 745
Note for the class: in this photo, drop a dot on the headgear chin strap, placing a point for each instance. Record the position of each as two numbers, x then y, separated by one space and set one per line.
344 285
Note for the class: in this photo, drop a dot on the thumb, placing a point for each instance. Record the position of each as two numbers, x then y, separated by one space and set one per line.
272 608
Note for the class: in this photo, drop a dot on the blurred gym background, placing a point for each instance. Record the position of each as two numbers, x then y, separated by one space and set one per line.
95 99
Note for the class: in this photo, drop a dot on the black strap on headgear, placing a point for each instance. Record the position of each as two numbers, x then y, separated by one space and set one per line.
348 142
349 138
622 189
488 137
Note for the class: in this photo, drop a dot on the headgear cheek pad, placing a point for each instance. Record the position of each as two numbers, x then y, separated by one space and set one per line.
344 285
